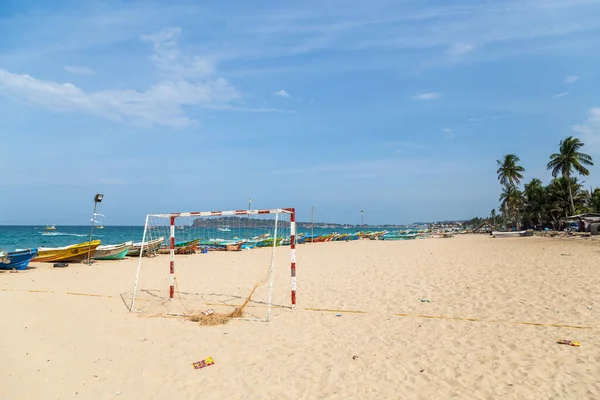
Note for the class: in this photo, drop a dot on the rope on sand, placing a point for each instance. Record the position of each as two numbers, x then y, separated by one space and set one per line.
422 316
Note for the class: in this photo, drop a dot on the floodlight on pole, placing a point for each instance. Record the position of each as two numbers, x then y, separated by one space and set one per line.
97 199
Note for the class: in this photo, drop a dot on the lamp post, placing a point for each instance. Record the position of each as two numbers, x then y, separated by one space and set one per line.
248 216
97 199
362 221
312 224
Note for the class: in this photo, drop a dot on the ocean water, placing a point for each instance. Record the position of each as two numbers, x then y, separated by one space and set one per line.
23 237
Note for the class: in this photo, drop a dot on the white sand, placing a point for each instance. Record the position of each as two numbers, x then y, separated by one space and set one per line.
57 343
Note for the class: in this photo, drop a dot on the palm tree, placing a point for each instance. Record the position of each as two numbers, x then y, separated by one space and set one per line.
509 172
511 201
568 159
534 200
595 200
493 216
557 204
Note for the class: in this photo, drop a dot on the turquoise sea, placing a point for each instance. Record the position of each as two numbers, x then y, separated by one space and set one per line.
23 237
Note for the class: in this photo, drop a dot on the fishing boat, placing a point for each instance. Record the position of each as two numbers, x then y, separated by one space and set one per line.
268 242
443 235
323 238
150 247
227 245
50 228
500 234
18 260
399 236
301 240
310 238
73 253
224 229
234 246
188 247
112 251
247 245
100 227
375 235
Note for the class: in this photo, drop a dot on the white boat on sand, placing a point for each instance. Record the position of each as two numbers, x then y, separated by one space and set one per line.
500 234
150 247
112 251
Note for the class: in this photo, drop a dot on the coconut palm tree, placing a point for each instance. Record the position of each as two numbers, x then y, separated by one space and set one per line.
511 201
493 216
534 200
557 203
594 200
570 159
509 171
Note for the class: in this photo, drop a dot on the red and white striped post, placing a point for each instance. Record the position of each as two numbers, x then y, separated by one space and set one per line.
293 253
172 263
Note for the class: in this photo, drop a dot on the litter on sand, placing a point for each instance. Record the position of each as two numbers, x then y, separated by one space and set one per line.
204 363
425 301
208 312
338 315
568 342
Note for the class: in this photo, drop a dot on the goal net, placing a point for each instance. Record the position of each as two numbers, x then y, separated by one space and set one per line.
217 262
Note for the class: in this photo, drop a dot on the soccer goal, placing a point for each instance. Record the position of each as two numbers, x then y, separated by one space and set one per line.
226 263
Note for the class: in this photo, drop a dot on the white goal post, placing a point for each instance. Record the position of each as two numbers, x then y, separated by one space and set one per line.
190 232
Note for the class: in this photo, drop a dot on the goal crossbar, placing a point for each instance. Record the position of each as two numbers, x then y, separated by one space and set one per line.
225 213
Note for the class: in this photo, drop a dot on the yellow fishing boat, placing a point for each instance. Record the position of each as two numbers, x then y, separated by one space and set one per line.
73 253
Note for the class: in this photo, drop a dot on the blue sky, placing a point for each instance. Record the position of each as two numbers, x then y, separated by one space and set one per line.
397 108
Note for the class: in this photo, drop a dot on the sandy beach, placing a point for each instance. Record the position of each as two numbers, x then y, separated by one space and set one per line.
487 327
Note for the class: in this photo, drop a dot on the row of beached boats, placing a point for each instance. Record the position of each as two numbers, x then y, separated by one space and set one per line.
20 258
409 235
80 252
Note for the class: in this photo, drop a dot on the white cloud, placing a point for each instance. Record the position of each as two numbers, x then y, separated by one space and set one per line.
460 49
590 130
511 29
185 82
160 104
571 79
561 94
169 60
427 96
282 93
79 70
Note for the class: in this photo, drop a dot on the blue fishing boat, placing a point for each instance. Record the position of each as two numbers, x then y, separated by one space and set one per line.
248 245
18 260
